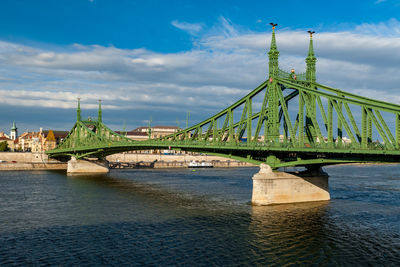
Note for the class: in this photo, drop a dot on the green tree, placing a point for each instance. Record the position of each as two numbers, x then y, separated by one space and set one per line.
4 146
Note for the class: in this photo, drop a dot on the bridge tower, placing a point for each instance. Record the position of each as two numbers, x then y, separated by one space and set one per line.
274 187
311 111
77 165
272 122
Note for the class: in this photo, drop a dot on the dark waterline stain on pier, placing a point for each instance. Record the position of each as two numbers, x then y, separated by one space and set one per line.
202 217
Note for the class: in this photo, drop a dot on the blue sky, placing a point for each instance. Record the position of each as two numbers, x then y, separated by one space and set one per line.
147 24
163 58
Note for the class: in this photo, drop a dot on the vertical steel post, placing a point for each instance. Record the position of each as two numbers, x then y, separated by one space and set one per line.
230 113
78 126
187 135
249 114
397 130
214 122
199 133
369 129
339 125
99 117
265 128
78 110
285 128
310 116
273 112
364 139
301 120
330 123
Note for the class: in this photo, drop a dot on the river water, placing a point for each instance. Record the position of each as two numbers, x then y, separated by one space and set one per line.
196 218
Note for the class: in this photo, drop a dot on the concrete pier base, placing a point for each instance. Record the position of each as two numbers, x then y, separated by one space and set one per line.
280 187
81 166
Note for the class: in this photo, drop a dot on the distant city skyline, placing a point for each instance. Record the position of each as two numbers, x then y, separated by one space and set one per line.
160 59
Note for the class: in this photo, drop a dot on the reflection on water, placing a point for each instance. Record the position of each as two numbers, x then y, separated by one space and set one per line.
202 217
289 234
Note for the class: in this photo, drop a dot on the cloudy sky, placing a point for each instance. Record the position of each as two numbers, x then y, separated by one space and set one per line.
162 59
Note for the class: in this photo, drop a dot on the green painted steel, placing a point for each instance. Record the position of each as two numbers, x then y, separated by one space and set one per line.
305 123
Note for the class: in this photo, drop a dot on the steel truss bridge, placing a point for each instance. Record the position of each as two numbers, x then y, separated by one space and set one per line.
288 120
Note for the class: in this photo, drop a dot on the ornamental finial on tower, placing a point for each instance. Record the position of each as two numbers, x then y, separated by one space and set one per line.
78 111
311 48
311 60
273 54
273 41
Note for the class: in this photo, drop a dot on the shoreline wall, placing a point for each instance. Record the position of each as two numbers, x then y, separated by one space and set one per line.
25 166
122 157
39 161
24 157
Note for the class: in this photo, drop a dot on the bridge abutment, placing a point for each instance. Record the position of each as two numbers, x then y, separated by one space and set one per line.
271 187
77 166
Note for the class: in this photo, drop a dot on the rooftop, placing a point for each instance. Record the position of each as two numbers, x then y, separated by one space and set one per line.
132 133
140 129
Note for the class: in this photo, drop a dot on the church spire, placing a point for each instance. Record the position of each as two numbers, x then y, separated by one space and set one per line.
14 132
273 54
311 60
14 127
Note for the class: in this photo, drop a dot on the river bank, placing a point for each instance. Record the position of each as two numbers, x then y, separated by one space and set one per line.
39 161
26 166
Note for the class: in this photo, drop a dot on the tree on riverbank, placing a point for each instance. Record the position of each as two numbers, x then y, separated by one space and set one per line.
4 146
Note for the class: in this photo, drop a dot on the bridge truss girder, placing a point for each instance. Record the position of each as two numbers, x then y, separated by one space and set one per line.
289 120
300 141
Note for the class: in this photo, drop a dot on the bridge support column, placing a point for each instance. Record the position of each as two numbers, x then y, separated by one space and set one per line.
87 166
280 187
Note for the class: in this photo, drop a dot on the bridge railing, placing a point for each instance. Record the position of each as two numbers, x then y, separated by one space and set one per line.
291 75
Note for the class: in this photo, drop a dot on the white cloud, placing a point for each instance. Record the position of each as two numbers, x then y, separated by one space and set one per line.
191 28
224 65
390 28
227 27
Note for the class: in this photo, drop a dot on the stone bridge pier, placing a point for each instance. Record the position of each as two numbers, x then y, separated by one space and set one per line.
271 187
82 166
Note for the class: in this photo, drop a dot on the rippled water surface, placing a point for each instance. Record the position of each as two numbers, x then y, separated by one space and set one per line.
201 218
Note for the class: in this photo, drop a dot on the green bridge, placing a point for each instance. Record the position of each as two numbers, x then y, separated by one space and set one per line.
288 120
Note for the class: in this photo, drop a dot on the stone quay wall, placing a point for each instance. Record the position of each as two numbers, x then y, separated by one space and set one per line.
24 157
40 161
24 166
174 161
